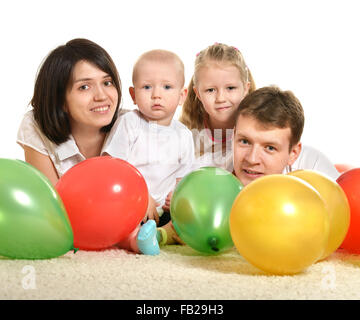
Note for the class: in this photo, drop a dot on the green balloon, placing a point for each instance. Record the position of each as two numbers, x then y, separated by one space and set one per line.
200 209
33 220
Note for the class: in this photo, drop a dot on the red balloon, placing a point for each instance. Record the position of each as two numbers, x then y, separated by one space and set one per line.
105 199
350 183
342 167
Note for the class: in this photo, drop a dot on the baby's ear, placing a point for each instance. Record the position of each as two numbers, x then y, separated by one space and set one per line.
132 94
183 95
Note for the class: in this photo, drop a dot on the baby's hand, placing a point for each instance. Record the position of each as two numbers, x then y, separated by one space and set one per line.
151 212
166 206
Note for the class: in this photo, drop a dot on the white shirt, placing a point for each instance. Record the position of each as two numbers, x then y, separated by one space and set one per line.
209 150
309 158
63 156
312 159
160 153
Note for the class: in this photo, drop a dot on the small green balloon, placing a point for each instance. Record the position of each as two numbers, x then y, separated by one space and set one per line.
33 220
200 209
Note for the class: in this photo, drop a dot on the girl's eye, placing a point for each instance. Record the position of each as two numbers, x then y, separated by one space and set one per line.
231 88
210 90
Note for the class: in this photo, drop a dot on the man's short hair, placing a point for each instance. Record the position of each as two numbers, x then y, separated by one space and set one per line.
273 107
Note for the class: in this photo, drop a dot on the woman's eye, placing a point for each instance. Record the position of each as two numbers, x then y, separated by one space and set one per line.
108 83
84 87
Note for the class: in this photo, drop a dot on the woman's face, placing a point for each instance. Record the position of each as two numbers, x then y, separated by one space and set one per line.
91 97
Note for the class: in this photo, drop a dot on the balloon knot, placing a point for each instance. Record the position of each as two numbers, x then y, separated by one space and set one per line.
213 242
75 250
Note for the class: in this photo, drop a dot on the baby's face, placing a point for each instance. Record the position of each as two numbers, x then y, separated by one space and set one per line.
158 90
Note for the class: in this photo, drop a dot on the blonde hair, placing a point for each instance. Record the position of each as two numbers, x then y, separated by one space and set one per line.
193 113
160 55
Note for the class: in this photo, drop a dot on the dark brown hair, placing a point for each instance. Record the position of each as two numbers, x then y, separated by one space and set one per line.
273 107
53 79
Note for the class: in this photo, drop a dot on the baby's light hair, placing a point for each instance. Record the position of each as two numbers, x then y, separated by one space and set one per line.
193 113
160 55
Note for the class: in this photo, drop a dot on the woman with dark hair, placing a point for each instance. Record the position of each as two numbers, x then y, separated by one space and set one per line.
76 101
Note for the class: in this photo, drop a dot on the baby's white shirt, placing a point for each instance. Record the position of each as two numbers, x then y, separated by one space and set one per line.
161 153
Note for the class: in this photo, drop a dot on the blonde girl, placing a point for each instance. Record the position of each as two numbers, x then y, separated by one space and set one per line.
221 80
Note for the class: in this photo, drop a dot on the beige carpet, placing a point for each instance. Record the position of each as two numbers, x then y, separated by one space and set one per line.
177 273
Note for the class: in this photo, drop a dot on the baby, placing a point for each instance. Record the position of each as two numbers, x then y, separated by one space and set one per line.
160 147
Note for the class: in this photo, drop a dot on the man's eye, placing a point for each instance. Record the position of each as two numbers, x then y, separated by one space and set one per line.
244 141
271 148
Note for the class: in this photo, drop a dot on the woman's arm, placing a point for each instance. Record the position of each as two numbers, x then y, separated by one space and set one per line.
41 162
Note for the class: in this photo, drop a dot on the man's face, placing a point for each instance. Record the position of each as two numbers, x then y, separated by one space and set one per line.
260 150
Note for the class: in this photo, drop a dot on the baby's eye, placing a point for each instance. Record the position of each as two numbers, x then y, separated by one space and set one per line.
167 87
146 87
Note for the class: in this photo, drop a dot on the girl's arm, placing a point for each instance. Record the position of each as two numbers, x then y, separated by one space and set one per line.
41 162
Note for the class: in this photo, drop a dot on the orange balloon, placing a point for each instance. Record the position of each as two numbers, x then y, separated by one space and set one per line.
349 181
337 206
280 224
342 167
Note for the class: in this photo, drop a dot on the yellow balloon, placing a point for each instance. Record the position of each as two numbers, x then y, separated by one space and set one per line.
337 205
280 224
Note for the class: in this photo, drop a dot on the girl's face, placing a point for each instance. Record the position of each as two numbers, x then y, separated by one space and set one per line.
220 89
91 97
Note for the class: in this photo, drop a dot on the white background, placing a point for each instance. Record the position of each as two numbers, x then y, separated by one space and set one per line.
309 47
